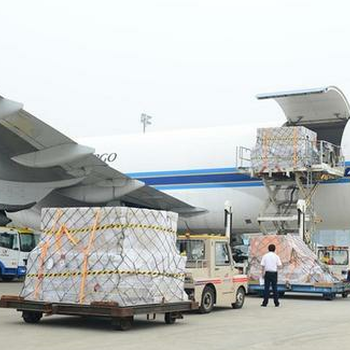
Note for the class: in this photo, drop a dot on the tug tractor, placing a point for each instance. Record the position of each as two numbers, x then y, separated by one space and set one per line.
211 275
336 258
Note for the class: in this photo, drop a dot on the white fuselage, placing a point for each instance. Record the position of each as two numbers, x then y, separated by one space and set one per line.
198 166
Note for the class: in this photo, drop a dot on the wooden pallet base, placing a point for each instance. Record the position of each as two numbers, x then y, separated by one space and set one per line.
122 317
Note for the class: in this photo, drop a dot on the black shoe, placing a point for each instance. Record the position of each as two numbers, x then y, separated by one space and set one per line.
277 305
263 305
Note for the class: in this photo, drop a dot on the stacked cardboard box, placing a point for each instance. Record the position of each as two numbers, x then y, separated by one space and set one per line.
110 254
284 149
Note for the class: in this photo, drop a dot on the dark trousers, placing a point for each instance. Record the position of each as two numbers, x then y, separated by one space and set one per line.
270 279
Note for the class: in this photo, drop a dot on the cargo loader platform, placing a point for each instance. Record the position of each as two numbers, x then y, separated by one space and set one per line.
329 291
294 159
291 163
121 317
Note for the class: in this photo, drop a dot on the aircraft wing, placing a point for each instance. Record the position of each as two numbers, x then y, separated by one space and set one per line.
38 163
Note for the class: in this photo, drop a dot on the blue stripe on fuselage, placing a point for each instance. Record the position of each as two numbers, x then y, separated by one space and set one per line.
197 179
209 185
206 178
182 172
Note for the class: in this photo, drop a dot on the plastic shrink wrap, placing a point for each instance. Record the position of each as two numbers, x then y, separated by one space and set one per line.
299 262
110 254
284 149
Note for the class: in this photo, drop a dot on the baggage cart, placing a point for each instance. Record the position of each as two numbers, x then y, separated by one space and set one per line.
121 317
328 290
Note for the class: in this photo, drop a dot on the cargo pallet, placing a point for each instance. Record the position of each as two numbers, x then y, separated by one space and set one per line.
328 290
121 317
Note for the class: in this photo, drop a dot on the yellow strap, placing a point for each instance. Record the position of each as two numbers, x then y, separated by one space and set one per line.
58 233
63 230
58 236
114 226
86 258
68 234
58 216
107 272
265 145
44 249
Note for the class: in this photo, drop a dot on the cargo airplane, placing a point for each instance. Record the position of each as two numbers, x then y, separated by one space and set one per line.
192 172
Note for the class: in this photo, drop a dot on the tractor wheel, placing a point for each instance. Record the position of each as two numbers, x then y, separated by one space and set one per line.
208 299
240 297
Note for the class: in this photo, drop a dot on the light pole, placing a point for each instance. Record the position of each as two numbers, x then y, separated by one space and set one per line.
145 120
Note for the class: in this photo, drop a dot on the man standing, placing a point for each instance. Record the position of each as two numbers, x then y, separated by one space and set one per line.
270 262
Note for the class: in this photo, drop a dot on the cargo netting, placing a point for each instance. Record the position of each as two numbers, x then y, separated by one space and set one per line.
299 262
284 149
110 254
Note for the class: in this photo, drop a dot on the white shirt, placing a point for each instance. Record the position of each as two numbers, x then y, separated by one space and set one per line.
271 262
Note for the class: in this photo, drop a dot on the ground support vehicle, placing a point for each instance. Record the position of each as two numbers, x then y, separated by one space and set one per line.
120 317
328 290
336 258
15 245
211 275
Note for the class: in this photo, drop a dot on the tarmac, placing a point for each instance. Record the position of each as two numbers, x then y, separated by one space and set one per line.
302 322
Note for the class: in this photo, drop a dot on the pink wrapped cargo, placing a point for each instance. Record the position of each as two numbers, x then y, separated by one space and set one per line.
299 262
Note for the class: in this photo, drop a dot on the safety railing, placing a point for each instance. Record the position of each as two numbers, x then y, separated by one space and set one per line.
243 158
314 153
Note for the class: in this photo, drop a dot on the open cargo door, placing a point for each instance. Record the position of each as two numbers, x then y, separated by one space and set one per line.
323 110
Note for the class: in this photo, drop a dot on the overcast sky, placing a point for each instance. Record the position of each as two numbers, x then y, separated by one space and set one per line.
92 67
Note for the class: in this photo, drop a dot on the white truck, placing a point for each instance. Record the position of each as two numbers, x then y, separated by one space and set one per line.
15 245
336 258
212 277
